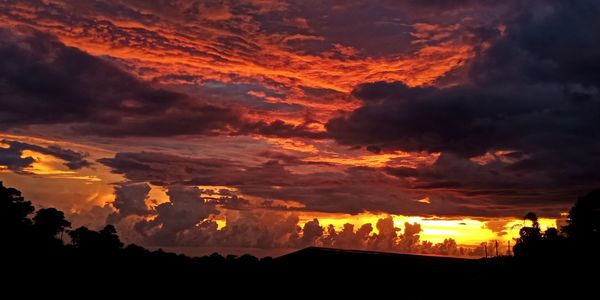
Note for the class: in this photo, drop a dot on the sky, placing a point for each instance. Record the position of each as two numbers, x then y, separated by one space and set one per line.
264 126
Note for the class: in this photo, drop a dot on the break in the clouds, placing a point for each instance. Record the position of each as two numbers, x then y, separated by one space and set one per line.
15 160
255 113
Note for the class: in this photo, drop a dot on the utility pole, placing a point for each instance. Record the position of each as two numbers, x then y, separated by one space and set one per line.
485 248
508 247
496 248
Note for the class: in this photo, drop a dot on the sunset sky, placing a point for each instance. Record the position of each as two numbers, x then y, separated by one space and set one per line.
254 125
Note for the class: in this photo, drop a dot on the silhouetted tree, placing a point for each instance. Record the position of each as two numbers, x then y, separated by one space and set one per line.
530 237
531 216
105 241
582 234
49 222
36 249
14 209
15 226
583 223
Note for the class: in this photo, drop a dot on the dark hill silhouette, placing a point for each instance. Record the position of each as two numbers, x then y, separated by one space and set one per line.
416 265
332 255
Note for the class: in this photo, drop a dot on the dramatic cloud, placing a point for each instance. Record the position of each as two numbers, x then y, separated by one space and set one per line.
282 52
482 190
263 119
521 89
258 229
186 220
166 169
526 116
45 82
352 190
14 159
185 209
130 199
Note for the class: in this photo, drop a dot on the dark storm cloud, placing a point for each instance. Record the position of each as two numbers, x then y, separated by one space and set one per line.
468 120
11 157
533 93
351 190
494 188
45 82
165 169
535 87
281 129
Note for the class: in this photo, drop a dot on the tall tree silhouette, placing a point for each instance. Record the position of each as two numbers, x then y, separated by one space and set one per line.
105 241
48 223
15 226
584 218
583 225
530 237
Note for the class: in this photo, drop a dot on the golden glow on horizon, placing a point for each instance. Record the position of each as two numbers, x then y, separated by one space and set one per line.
465 231
512 227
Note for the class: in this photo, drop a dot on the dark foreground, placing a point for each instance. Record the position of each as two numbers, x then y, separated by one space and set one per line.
41 254
311 272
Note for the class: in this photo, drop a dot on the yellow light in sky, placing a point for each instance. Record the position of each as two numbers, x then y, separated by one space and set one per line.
465 231
44 164
512 228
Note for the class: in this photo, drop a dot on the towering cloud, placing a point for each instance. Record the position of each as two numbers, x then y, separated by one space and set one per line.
130 199
185 209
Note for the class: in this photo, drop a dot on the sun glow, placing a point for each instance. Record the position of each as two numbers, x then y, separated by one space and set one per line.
466 231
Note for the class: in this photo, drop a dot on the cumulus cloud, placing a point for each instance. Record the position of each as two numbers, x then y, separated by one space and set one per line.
188 219
258 229
386 238
185 210
311 231
409 240
130 199
12 157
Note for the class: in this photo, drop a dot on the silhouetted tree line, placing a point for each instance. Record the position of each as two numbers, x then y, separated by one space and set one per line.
579 239
40 246
43 240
